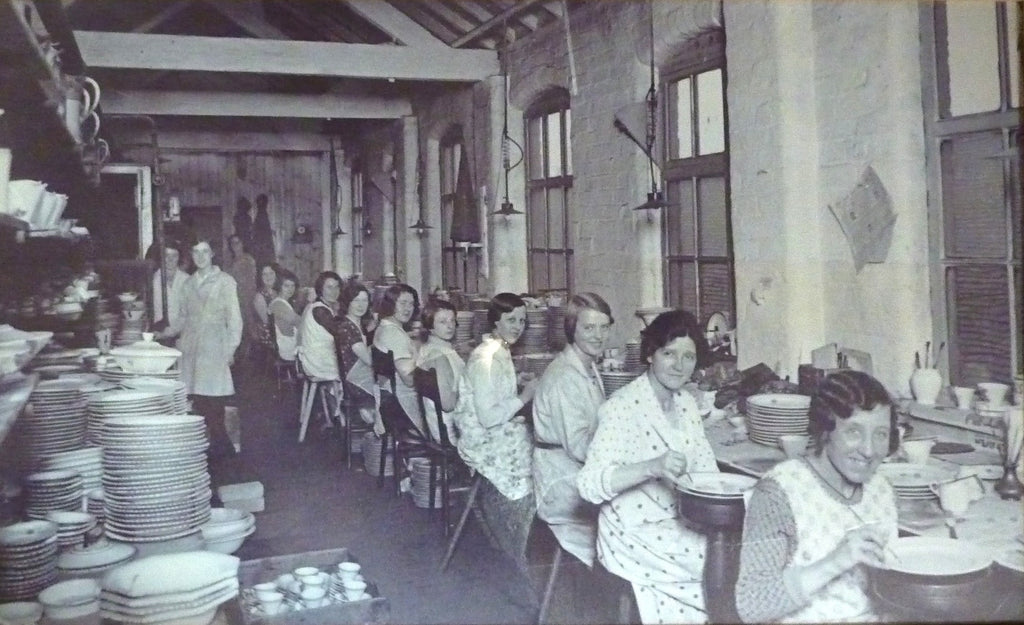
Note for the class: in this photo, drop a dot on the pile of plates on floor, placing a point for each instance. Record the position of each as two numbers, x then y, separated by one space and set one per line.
913 481
614 380
53 421
179 588
95 559
156 486
631 357
87 462
770 415
28 559
371 456
419 469
72 526
110 404
52 490
556 328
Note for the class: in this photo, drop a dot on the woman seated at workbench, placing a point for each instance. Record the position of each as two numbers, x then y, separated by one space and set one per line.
813 522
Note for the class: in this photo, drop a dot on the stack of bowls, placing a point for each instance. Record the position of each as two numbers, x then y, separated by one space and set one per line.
227 529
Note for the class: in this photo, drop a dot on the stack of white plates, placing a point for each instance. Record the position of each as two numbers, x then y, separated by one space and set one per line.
556 328
614 380
631 357
770 415
72 526
419 469
87 462
715 485
119 403
52 490
28 559
116 374
534 339
162 386
53 421
61 357
371 456
155 481
179 588
464 329
95 559
52 372
913 481
94 503
532 363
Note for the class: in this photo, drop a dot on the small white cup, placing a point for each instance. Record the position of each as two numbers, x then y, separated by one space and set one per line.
306 572
348 570
285 581
918 451
964 397
354 589
266 591
995 393
271 602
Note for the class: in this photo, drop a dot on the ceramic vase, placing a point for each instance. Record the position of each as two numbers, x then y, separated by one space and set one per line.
926 384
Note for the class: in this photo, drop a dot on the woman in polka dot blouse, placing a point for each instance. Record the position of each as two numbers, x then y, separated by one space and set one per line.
649 433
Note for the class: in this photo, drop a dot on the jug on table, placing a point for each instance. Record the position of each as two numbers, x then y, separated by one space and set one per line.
81 97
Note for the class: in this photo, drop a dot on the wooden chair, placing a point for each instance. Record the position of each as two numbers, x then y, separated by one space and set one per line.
313 388
354 424
285 371
443 454
401 439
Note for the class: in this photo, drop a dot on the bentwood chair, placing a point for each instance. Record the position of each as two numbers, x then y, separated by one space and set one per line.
312 389
354 424
443 454
401 439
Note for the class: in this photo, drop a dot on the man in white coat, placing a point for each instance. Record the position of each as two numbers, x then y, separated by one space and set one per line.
209 329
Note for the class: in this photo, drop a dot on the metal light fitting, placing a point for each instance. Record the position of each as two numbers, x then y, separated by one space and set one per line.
421 227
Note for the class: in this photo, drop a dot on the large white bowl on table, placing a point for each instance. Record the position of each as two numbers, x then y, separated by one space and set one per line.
21 612
145 356
70 599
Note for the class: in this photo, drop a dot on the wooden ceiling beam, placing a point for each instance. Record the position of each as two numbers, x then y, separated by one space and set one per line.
165 14
263 56
395 23
235 104
248 16
499 19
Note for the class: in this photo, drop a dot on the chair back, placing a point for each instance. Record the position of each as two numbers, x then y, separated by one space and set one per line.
384 368
425 382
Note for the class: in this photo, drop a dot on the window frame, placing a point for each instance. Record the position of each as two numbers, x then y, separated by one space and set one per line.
358 202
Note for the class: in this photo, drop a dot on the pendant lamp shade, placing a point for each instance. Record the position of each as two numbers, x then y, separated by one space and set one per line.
465 222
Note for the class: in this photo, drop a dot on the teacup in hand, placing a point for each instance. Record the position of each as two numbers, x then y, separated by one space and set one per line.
794 445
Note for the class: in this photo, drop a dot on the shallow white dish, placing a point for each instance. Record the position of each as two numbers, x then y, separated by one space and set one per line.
715 484
930 556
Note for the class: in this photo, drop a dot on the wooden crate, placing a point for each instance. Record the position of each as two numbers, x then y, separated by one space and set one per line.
251 572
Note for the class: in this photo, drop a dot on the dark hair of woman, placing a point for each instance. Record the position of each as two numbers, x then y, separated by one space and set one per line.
672 325
318 285
277 275
386 307
838 396
580 302
501 304
349 290
283 275
435 306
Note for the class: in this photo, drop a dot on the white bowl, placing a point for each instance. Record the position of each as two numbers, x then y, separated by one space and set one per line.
71 599
145 357
127 297
21 612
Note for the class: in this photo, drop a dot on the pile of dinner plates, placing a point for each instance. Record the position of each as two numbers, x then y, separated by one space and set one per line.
87 462
770 415
72 526
419 470
371 456
95 559
53 421
534 339
556 327
532 363
913 481
464 327
28 559
162 386
156 485
180 588
116 374
631 357
52 490
110 404
614 380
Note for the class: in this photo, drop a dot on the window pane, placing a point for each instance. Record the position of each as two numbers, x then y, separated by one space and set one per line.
714 231
680 233
973 57
535 147
556 219
537 216
559 271
972 193
1013 26
980 323
1015 197
448 270
1018 295
715 290
711 111
472 259
538 271
682 145
568 142
447 209
554 138
685 283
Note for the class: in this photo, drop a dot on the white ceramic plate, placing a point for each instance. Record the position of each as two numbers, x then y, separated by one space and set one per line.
716 484
913 475
780 401
929 556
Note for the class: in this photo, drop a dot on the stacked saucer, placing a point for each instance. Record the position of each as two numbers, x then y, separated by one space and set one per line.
770 415
118 403
28 559
53 421
116 374
614 380
72 526
913 481
52 490
556 328
532 363
179 588
94 503
155 481
87 462
419 469
371 456
464 327
534 339
162 386
631 357
95 559
480 324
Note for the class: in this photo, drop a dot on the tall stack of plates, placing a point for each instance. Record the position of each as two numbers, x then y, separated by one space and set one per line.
53 421
162 386
155 481
87 462
371 456
111 404
614 380
770 415
534 339
94 503
631 357
419 469
480 324
913 481
72 526
52 490
532 363
464 329
556 328
28 559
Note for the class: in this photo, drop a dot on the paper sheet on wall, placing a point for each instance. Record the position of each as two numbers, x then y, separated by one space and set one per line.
867 220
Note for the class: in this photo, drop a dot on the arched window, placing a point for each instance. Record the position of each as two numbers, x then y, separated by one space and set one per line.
699 274
549 185
460 260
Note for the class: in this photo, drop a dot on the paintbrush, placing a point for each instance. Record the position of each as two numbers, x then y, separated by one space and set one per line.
938 353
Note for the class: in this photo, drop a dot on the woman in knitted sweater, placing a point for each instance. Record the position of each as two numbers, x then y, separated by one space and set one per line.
814 522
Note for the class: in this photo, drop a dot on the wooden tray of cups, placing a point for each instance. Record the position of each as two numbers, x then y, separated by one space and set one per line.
377 609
